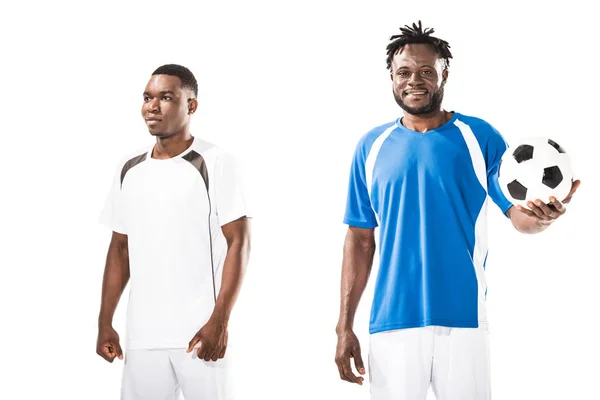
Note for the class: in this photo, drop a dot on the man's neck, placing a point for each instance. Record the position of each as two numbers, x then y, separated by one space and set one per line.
425 122
172 146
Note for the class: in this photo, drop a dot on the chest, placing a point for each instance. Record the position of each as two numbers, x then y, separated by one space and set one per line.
165 193
423 159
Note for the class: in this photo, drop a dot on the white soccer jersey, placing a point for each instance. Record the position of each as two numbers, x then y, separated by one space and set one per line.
172 211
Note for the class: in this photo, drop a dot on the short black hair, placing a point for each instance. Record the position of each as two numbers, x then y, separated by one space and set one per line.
188 81
416 34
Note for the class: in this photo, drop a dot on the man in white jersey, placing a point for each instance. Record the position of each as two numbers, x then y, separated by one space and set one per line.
424 180
180 235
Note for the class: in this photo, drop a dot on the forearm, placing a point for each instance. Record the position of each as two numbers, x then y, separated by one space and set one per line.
116 276
234 268
356 268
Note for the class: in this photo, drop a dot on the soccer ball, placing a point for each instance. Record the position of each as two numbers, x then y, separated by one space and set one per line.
535 168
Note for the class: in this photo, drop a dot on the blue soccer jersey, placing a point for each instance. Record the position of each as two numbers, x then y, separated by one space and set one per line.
427 193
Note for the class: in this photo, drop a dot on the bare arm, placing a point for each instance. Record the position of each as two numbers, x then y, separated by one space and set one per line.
237 234
213 335
359 249
116 276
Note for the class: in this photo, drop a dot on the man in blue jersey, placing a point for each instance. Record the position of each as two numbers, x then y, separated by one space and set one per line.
424 180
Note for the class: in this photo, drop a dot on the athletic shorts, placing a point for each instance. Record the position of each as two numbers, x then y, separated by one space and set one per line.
454 362
173 374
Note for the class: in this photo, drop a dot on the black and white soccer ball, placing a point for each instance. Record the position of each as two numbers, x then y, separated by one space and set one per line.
535 168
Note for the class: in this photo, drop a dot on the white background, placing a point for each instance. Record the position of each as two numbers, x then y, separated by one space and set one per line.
289 87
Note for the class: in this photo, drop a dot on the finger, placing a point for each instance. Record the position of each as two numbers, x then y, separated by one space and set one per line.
118 350
549 213
560 208
348 373
220 352
193 343
574 187
200 351
358 361
340 369
106 351
344 368
536 210
213 354
203 351
102 353
525 211
572 192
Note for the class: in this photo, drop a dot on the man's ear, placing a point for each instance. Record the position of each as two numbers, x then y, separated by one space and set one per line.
192 106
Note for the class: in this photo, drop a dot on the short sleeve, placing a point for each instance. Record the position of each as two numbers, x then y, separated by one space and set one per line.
359 211
230 190
494 152
112 215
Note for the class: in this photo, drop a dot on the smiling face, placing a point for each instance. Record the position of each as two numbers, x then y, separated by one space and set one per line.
418 78
167 107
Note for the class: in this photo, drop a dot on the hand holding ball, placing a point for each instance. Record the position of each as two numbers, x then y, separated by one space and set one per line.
535 168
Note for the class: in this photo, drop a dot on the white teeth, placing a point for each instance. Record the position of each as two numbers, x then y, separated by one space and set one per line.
416 93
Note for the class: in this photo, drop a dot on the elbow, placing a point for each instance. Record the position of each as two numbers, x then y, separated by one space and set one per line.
241 244
245 247
368 246
360 239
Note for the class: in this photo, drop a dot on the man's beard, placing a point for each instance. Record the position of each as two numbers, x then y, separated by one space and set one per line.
434 104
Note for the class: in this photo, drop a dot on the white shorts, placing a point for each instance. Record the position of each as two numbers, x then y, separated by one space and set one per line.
169 374
454 361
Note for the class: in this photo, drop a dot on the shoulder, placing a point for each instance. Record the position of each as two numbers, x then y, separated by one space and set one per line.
205 147
133 157
129 160
365 142
488 137
214 155
491 142
208 149
479 126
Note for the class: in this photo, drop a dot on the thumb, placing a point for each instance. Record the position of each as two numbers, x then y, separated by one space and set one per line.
572 192
192 343
118 349
358 362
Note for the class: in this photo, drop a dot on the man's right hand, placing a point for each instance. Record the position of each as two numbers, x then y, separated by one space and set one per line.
349 347
108 346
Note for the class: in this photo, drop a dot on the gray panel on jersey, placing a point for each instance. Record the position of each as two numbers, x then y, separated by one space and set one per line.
198 162
130 164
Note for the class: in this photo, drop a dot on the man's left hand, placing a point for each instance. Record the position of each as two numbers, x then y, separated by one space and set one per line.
213 340
547 213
